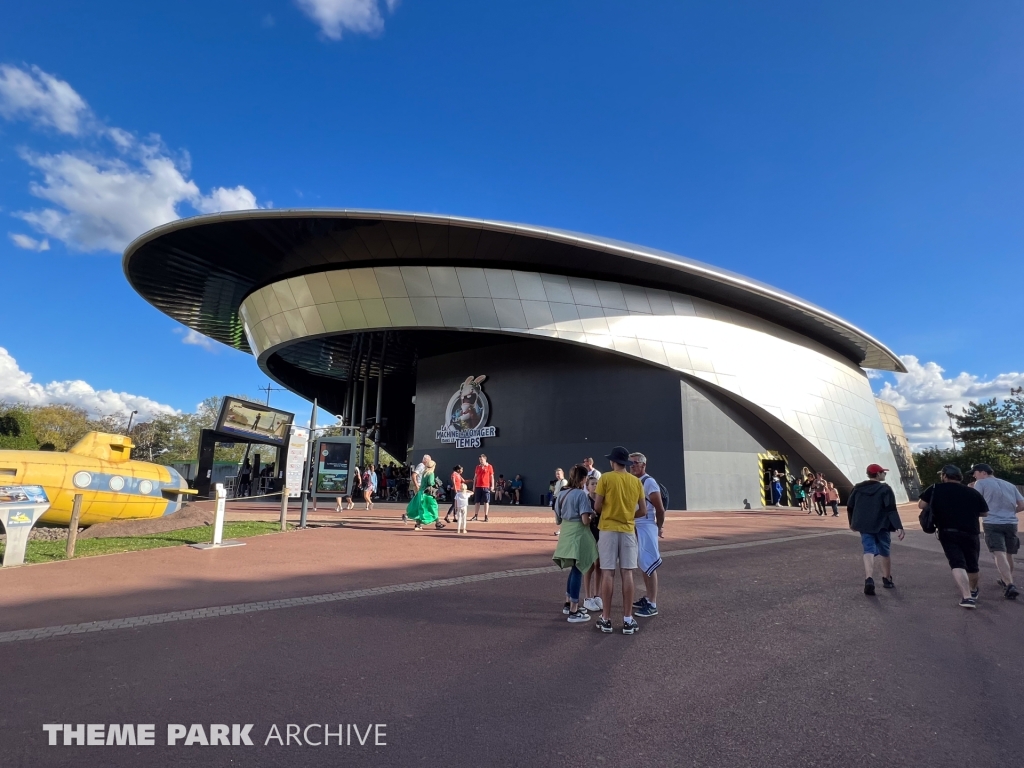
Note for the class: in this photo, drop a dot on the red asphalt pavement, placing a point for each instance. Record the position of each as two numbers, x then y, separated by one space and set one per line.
762 656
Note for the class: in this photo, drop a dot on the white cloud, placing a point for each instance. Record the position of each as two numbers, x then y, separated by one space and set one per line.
920 394
334 16
193 337
102 200
103 203
16 386
223 199
29 243
42 98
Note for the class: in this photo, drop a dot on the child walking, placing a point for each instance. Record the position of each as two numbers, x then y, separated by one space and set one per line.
462 507
832 498
592 578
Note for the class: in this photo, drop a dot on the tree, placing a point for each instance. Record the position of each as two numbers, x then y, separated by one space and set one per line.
1013 412
16 429
164 439
58 427
985 427
989 432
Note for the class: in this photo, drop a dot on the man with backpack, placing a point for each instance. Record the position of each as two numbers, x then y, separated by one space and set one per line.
873 514
955 510
648 530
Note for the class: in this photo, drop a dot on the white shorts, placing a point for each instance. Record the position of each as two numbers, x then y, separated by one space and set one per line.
648 557
617 549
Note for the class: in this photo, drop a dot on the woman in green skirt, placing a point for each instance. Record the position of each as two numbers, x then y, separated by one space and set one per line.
576 548
422 510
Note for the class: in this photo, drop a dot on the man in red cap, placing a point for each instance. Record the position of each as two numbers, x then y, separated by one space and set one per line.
873 514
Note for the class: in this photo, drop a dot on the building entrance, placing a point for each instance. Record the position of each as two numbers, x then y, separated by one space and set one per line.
770 463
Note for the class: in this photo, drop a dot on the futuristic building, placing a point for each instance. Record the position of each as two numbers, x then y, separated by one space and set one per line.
583 343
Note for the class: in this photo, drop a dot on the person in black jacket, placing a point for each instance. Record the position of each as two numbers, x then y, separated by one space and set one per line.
872 512
955 510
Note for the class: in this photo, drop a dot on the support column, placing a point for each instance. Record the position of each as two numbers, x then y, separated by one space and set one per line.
380 400
366 392
353 382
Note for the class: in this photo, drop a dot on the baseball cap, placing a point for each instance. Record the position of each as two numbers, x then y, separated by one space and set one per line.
982 468
874 469
951 470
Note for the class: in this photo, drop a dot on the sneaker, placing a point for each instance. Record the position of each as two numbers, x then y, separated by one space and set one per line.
604 625
578 617
630 628
968 602
565 609
647 610
888 583
1011 593
593 604
869 586
486 519
974 594
640 603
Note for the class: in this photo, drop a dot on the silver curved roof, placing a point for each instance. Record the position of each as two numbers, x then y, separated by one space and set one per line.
198 270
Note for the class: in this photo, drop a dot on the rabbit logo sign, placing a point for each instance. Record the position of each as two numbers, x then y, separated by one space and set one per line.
467 415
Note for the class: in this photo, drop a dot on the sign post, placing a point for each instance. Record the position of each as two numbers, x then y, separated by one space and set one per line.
218 525
20 507
76 515
295 460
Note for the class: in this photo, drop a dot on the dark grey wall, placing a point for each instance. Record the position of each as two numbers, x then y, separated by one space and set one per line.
721 441
554 404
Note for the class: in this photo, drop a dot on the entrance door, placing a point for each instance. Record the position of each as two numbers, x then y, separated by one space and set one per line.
769 464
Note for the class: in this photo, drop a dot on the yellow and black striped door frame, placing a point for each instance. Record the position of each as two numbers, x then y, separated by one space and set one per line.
772 456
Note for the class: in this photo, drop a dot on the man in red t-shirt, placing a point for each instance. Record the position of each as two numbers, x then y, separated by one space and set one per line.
483 487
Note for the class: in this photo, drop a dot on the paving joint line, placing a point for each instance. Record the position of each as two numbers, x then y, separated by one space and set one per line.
131 622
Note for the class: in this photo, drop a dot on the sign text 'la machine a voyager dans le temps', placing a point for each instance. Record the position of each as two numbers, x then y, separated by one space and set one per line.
467 415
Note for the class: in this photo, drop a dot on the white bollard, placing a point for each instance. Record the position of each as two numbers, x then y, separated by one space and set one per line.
218 518
218 524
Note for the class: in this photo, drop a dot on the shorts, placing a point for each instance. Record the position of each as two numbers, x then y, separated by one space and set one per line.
648 556
962 549
1002 537
482 495
617 549
876 544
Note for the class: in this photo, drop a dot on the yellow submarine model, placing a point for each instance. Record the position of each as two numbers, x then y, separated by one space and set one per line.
100 467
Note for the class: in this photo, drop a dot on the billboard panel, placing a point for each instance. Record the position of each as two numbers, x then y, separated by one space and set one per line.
296 461
334 464
254 421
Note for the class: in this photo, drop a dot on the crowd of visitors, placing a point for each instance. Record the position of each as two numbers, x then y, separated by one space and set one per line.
609 522
612 521
810 492
950 510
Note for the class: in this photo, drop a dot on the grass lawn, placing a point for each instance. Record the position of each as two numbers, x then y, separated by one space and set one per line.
50 551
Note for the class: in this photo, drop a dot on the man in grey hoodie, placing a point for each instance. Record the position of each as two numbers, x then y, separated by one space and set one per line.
873 514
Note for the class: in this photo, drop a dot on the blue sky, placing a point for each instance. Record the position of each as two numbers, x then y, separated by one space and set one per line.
865 156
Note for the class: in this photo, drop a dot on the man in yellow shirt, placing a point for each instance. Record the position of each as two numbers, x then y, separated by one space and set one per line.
619 500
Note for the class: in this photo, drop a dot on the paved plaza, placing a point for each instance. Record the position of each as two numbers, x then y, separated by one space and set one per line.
766 653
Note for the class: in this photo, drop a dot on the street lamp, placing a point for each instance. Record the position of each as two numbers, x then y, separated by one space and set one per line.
949 413
130 417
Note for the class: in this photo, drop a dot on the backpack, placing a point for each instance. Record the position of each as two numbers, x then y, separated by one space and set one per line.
661 489
927 520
